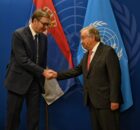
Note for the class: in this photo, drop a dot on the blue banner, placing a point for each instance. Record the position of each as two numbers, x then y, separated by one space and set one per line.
100 14
71 14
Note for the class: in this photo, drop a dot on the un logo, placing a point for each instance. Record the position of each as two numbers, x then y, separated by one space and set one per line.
108 36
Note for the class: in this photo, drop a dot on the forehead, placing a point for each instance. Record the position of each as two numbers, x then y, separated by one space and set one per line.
45 19
84 32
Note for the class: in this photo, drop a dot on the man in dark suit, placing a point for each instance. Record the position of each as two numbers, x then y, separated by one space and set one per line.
26 71
102 80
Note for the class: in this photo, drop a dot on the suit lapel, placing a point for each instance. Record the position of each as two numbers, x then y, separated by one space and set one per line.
85 63
96 57
29 39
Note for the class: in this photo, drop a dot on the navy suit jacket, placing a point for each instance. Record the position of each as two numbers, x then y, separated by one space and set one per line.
103 79
22 69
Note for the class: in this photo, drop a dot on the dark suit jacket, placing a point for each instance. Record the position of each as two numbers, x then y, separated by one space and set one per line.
102 81
22 69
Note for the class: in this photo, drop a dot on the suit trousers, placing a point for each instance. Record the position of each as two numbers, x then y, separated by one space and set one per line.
15 103
104 118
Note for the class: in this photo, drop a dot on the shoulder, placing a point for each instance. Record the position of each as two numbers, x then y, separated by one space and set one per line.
22 32
21 29
107 47
108 50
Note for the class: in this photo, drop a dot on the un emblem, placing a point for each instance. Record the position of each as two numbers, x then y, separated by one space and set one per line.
108 36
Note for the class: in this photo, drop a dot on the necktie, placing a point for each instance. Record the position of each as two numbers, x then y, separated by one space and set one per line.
37 49
88 61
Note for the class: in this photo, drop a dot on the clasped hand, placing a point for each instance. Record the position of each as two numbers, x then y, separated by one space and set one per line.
50 74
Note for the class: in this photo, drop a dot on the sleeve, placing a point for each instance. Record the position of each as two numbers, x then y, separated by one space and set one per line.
114 73
71 72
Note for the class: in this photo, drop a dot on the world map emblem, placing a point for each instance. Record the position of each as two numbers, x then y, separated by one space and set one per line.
108 36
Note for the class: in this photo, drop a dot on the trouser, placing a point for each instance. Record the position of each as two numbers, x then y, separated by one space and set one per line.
15 103
104 119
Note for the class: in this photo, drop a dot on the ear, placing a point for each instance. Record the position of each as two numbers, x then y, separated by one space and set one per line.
34 20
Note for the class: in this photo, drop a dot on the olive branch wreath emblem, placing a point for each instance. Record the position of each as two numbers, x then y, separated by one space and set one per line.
130 35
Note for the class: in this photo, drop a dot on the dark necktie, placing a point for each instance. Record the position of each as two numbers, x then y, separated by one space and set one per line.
37 49
88 61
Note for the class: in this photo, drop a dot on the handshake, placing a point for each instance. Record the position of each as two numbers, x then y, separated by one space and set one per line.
50 74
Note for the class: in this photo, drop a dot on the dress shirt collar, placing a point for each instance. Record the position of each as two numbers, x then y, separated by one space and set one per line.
32 31
95 47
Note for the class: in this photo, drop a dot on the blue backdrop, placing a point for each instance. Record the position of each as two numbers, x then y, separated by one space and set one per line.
69 113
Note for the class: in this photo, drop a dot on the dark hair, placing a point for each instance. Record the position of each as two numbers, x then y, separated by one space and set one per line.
39 13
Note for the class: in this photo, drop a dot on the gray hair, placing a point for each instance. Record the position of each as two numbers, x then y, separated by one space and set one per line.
92 31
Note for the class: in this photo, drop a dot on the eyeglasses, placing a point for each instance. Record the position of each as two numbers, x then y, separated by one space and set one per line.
46 24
